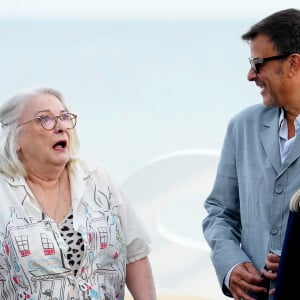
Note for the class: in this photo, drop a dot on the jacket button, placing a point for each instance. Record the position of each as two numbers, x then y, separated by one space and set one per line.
273 230
278 189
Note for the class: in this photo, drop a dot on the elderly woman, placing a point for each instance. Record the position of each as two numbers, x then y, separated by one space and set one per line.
66 230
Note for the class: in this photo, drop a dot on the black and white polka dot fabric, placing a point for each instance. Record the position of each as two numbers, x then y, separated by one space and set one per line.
74 241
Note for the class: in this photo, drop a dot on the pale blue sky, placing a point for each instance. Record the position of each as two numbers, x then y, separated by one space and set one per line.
141 8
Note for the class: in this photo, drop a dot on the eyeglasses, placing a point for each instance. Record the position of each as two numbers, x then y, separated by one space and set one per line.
256 63
49 122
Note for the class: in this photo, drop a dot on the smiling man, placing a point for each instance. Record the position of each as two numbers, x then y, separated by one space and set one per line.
258 172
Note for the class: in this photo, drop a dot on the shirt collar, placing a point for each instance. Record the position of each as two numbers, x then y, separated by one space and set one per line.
282 120
281 117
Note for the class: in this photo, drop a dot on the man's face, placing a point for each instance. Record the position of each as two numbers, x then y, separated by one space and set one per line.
269 76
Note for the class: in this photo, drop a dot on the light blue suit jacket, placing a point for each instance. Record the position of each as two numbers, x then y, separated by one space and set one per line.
249 204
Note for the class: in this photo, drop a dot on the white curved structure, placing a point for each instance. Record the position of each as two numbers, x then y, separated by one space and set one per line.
168 193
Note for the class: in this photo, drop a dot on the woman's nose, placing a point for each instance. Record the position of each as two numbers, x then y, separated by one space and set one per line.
60 125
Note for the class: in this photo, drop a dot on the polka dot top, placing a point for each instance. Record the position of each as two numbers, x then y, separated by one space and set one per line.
74 241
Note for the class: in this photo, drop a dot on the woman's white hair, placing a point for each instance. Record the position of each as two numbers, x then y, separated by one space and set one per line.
10 113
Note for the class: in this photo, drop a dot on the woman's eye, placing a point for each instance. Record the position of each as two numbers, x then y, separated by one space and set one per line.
66 117
46 118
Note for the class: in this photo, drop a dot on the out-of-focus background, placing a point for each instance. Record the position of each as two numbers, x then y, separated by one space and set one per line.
154 84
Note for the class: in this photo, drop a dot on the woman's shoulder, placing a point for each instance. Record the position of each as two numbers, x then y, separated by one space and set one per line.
92 168
89 166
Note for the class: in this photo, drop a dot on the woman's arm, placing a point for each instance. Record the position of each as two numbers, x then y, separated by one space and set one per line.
139 280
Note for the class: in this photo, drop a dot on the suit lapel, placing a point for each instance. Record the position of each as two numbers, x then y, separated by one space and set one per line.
269 139
269 134
293 154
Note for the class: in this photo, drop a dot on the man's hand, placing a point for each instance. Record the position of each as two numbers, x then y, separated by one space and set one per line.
271 268
245 279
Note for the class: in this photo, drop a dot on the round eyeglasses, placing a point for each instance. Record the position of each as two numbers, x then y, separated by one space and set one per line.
49 122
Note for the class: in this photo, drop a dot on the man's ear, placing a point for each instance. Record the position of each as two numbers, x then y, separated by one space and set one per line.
294 64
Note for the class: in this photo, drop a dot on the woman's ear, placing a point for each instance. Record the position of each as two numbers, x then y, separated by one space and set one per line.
18 147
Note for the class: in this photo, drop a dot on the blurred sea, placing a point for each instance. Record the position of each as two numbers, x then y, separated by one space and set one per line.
141 88
153 97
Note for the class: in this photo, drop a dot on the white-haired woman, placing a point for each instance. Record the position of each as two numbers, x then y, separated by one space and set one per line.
66 229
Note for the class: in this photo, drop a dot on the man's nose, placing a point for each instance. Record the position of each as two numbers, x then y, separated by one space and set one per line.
251 75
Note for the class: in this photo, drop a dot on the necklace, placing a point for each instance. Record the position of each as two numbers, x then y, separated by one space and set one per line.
61 242
42 206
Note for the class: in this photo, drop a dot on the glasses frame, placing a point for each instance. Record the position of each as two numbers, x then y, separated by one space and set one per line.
55 118
256 63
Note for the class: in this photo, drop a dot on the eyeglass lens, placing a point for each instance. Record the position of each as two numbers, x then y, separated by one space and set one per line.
49 122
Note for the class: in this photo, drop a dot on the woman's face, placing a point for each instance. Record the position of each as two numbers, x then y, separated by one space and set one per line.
39 148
